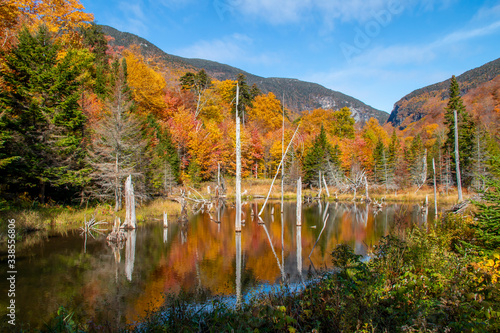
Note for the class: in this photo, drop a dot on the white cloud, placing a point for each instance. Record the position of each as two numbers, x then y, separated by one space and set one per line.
330 11
412 54
229 49
464 35
487 13
133 18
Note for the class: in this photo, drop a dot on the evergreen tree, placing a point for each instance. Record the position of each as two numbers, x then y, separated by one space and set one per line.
417 162
94 39
487 227
254 91
392 160
165 162
42 120
380 163
246 96
320 157
466 130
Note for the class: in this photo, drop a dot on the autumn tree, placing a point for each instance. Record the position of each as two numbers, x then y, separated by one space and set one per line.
266 111
146 84
117 143
466 129
197 83
41 117
343 123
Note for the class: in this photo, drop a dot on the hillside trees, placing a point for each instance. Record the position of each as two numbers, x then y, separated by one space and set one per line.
62 18
41 117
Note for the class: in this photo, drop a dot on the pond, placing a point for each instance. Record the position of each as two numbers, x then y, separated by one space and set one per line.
118 286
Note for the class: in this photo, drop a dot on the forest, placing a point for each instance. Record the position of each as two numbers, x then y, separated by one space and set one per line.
79 116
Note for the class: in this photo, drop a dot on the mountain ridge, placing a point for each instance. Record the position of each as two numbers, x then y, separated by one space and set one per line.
299 95
415 105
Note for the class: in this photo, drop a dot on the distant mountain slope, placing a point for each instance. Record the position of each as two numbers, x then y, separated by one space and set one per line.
299 95
422 102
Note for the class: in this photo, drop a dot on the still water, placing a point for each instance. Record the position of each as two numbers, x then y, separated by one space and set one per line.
118 286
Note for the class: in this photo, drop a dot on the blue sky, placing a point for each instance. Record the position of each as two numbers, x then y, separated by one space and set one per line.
374 50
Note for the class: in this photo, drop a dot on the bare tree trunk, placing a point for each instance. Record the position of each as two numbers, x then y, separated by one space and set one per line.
130 221
435 190
385 172
366 190
326 187
277 171
238 166
299 201
457 159
282 153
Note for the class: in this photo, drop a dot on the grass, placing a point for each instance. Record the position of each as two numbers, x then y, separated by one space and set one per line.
252 188
33 224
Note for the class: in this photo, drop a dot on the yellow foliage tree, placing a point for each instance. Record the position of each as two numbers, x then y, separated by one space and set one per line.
62 17
147 85
226 90
267 111
373 132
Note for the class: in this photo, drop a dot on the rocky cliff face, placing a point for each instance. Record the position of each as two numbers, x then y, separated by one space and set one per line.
423 102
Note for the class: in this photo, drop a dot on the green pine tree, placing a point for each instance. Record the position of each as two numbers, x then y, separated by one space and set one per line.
466 131
487 226
320 157
380 163
165 161
42 118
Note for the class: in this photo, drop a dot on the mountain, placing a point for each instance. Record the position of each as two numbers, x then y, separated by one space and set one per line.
430 101
299 95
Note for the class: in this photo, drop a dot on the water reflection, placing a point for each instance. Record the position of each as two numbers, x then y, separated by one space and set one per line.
238 267
299 251
130 253
200 252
